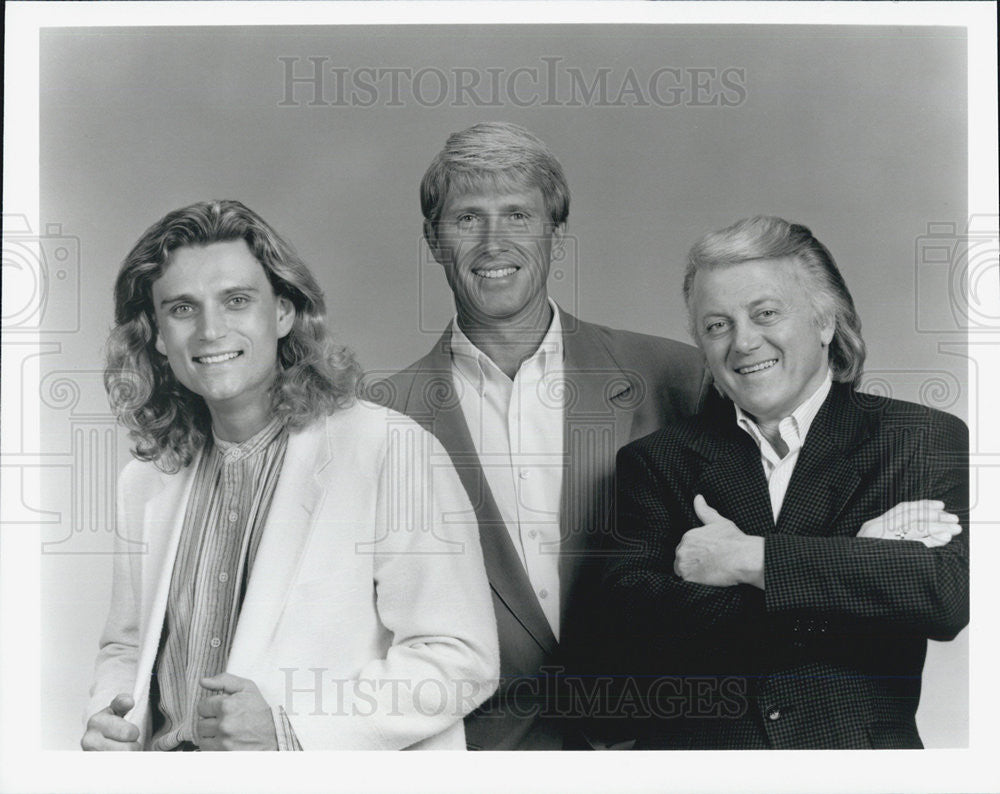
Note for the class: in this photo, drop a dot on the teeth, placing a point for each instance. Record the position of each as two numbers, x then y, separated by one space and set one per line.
499 273
217 359
757 367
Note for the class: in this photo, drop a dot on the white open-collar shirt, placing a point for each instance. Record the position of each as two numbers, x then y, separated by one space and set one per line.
793 430
517 428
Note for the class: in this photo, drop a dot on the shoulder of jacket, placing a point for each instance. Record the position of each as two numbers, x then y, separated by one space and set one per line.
365 418
633 344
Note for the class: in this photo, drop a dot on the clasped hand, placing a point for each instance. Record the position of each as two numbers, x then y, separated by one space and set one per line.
236 717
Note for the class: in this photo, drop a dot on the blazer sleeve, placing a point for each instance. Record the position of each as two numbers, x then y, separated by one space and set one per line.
886 586
117 658
432 595
650 606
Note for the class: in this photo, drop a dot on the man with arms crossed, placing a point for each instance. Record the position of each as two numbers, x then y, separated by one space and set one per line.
284 577
532 404
744 584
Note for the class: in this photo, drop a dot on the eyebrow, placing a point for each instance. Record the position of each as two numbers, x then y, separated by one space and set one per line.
185 298
713 312
518 206
768 299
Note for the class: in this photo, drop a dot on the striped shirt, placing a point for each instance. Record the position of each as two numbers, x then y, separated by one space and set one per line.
793 430
230 499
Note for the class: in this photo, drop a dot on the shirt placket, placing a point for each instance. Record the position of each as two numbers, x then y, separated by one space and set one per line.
239 540
526 383
220 566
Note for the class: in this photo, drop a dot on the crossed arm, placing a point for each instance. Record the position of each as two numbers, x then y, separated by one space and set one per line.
719 553
687 571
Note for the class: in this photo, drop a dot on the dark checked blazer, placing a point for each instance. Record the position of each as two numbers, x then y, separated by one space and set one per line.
830 653
619 386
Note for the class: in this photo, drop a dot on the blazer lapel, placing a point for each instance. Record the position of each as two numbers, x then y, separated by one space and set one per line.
731 475
825 477
434 404
289 522
597 421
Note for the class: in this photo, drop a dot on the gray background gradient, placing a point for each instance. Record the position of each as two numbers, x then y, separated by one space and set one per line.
858 132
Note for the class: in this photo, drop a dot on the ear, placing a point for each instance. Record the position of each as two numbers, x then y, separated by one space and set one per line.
558 235
826 328
286 316
430 235
158 344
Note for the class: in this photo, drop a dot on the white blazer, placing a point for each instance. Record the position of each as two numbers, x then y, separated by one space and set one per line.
367 616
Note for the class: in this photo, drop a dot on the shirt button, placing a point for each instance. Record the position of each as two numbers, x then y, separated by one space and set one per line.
533 534
233 515
524 474
543 593
223 577
216 642
774 714
235 454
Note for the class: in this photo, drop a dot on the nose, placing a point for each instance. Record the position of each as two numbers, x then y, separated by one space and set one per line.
491 234
746 337
212 324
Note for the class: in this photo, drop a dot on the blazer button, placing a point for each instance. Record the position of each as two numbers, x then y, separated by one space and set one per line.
774 714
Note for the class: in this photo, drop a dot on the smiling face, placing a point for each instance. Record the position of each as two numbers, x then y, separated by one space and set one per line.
759 332
218 323
496 249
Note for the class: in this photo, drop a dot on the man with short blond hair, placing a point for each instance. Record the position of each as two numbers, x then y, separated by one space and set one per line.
532 404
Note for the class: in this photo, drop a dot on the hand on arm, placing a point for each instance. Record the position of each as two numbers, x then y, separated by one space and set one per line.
719 553
235 718
647 596
925 520
109 730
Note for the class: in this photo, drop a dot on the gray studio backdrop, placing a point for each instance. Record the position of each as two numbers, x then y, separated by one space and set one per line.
665 132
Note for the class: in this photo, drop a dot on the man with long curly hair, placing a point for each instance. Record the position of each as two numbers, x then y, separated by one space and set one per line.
285 578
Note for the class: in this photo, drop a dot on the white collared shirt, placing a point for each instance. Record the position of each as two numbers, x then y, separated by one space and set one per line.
793 430
517 429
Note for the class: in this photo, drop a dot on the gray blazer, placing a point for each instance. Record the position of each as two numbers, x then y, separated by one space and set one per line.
619 386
